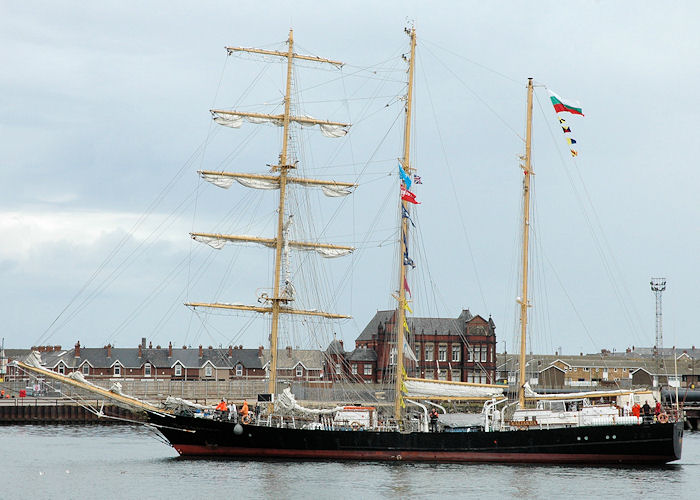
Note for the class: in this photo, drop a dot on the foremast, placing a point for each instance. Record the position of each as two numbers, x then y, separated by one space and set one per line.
277 303
523 300
405 163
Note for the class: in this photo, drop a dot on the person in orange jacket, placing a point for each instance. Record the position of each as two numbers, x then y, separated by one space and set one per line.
636 409
222 406
244 408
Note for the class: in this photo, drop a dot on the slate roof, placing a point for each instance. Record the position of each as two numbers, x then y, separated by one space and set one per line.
422 326
311 359
656 367
380 318
362 354
128 357
335 347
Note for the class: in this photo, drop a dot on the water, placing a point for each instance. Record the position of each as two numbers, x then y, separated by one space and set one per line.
41 462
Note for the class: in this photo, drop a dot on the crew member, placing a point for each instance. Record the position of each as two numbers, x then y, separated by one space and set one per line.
222 406
635 410
433 420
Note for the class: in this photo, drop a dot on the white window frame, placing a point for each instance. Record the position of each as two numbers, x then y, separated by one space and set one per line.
208 371
147 370
429 352
484 353
178 370
337 369
353 368
117 370
417 348
86 369
61 368
456 352
299 371
392 356
368 369
239 370
442 352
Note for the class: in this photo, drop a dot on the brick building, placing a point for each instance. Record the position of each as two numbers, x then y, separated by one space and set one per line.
461 349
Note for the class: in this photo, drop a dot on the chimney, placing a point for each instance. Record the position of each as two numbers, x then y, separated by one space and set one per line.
170 349
341 344
260 351
289 351
200 350
77 349
140 351
57 348
109 350
230 351
143 342
240 346
150 345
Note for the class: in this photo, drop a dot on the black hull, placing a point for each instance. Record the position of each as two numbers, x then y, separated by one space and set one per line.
614 444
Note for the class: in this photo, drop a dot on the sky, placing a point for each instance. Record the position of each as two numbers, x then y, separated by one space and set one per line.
104 122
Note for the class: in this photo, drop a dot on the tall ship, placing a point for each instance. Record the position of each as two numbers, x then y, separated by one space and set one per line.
535 428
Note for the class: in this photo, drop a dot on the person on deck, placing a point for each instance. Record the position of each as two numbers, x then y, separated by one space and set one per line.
221 410
433 420
627 409
244 411
657 410
636 410
646 411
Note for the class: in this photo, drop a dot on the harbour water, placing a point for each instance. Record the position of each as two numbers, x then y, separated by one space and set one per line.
41 462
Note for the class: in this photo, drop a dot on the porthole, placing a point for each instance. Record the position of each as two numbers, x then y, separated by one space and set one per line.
578 438
614 436
585 438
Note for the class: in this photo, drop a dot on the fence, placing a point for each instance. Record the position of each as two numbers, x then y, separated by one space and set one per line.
208 391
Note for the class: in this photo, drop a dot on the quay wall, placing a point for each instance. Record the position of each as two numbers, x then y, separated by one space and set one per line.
62 411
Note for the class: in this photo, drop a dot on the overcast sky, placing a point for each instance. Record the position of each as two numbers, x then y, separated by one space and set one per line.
105 121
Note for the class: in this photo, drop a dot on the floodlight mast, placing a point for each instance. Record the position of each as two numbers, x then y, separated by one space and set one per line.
658 285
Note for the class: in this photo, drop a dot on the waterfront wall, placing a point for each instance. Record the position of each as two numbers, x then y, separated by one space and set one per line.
62 411
209 391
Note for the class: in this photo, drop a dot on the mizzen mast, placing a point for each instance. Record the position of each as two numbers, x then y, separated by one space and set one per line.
523 300
282 293
405 163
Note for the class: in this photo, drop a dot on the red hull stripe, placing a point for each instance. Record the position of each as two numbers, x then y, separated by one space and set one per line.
417 456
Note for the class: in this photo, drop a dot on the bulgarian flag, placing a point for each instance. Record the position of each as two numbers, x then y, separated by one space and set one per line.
562 105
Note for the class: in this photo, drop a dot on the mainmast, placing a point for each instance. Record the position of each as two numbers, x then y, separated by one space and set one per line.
405 163
278 302
523 300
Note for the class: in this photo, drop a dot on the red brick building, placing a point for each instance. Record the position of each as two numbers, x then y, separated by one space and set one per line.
459 349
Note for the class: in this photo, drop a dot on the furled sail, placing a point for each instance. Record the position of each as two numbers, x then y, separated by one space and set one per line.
218 241
529 393
225 180
287 403
422 388
235 119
